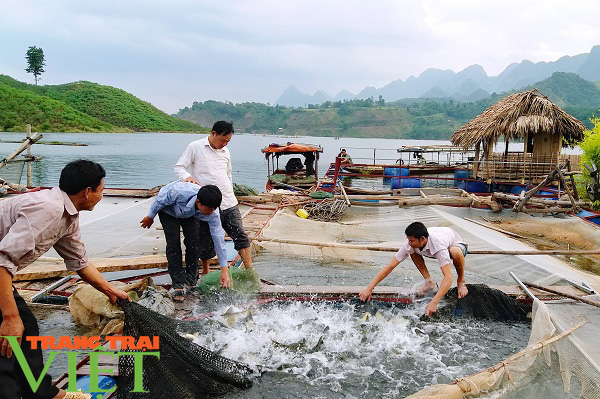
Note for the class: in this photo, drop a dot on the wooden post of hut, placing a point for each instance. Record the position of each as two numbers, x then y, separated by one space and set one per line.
524 163
476 160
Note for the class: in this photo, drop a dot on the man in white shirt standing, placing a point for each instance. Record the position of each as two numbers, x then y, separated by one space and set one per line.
207 161
441 243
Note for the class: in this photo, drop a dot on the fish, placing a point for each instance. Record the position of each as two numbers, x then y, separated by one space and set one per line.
189 336
233 315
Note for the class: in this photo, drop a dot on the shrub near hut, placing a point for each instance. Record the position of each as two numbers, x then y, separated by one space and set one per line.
591 154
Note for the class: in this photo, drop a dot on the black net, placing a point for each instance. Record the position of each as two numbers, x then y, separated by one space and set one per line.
483 302
184 371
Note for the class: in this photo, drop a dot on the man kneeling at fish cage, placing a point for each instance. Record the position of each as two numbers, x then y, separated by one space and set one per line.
180 205
441 243
31 224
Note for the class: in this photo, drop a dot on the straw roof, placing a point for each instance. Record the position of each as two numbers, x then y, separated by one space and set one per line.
516 115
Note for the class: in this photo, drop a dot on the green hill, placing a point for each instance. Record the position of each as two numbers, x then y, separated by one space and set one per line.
577 96
569 89
19 107
111 105
417 118
355 118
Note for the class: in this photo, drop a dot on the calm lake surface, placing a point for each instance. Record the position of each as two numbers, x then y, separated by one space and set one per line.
144 160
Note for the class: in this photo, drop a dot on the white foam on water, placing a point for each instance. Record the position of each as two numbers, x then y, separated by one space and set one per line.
327 344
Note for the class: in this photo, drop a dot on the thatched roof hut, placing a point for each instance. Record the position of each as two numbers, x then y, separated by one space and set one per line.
527 116
515 117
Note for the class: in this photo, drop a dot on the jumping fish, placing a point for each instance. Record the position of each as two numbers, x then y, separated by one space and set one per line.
233 315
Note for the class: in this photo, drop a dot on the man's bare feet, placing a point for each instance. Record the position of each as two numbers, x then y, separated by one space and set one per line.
427 287
462 289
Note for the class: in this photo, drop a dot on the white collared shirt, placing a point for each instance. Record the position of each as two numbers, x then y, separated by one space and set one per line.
439 241
208 166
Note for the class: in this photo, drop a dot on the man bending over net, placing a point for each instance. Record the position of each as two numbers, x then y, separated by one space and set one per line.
441 243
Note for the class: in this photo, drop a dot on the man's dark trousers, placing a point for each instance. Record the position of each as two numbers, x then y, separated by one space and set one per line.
172 227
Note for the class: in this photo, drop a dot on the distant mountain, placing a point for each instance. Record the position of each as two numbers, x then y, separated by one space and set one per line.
569 89
344 95
469 84
115 107
590 68
292 97
435 115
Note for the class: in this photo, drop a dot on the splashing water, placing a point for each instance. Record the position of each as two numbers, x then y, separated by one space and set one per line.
350 349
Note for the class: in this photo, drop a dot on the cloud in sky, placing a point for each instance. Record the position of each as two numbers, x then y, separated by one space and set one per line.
173 53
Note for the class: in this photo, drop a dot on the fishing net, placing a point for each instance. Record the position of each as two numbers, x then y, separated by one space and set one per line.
319 194
12 172
243 190
184 371
483 302
91 308
559 346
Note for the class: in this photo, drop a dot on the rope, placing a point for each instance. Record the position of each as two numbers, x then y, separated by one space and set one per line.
326 211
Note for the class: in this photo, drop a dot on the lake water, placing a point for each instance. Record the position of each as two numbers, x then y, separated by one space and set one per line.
144 160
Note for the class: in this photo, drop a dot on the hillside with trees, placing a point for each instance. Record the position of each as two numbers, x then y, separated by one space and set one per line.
418 118
114 107
19 107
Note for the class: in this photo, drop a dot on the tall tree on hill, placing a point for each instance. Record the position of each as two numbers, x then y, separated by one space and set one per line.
35 62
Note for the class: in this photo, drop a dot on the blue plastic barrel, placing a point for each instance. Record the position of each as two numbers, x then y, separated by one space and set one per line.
517 190
406 183
391 171
104 382
461 174
474 186
394 172
548 194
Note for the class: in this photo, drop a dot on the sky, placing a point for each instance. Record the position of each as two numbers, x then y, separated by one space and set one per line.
172 53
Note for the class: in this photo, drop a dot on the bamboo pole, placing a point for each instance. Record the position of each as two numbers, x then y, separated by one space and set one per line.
495 228
584 300
344 193
476 161
551 176
435 200
562 179
545 201
572 179
395 249
31 140
529 349
29 155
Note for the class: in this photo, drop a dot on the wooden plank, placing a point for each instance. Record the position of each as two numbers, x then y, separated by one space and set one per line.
53 267
454 192
85 370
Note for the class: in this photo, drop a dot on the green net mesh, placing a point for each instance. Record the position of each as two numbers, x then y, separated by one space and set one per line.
320 194
242 280
243 190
